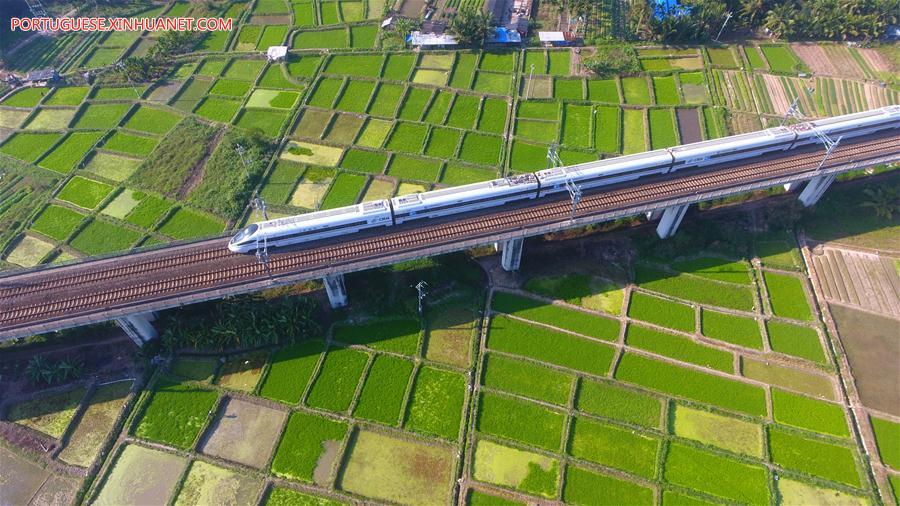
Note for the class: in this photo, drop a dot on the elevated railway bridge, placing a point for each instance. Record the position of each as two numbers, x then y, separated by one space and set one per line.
130 287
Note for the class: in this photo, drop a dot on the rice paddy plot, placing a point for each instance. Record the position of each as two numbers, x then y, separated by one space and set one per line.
123 203
338 377
492 83
568 89
151 120
397 66
29 251
218 109
363 36
268 121
527 157
663 312
374 133
84 193
517 469
281 182
135 145
576 127
304 66
442 142
420 169
186 223
458 174
481 149
382 395
29 146
70 151
96 422
430 77
390 469
101 116
50 119
386 100
379 189
436 402
722 57
148 212
518 420
290 369
526 379
799 493
207 484
111 166
796 340
692 384
343 128
730 328
272 35
694 288
407 137
12 118
308 448
810 414
49 414
780 58
787 296
493 116
534 130
57 222
226 436
583 487
230 87
716 475
663 132
790 378
336 38
101 237
26 97
611 400
315 154
732 434
693 87
344 190
355 65
679 348
636 91
887 435
244 70
829 461
212 67
160 471
175 414
413 106
633 136
355 96
191 94
603 90
607 445
275 77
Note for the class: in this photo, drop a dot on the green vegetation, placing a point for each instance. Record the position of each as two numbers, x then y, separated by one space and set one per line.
517 469
738 330
522 421
101 116
303 442
66 155
382 394
692 384
636 91
887 435
338 377
290 371
153 121
610 446
780 58
584 487
810 414
170 164
527 379
716 268
732 434
130 144
26 97
49 414
436 403
607 400
716 475
57 222
787 296
100 237
543 344
557 316
663 312
344 191
83 192
96 422
175 414
28 146
829 461
693 288
396 335
679 348
185 223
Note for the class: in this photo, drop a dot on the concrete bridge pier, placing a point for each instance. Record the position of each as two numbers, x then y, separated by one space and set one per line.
337 292
654 214
138 327
511 253
793 186
670 220
815 188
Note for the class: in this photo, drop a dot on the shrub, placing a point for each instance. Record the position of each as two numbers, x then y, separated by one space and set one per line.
612 59
170 164
692 384
564 350
175 414
526 422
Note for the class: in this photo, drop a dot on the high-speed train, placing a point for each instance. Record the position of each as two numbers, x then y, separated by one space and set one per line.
418 206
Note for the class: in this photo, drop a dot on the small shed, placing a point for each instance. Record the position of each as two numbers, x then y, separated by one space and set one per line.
42 77
276 53
432 40
556 39
505 36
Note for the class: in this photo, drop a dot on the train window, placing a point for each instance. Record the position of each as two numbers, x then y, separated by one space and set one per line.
245 233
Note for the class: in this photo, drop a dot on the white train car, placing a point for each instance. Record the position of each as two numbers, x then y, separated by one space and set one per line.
605 172
730 149
849 125
464 198
312 226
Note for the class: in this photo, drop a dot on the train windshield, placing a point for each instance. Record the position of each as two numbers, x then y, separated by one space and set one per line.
243 234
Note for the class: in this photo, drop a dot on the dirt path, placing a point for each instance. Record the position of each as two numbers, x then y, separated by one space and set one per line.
196 174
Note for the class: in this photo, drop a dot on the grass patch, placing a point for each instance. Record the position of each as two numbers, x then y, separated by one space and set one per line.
810 414
818 458
692 384
694 288
716 475
175 414
663 312
725 432
522 421
796 340
565 350
49 414
738 330
187 224
382 394
336 383
436 402
526 379
679 348
611 446
518 469
301 453
787 296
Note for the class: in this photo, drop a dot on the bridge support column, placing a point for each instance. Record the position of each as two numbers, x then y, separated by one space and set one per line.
138 327
654 215
815 188
791 187
670 220
511 256
337 292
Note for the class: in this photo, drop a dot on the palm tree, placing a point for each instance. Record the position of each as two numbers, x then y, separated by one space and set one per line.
753 10
780 20
884 201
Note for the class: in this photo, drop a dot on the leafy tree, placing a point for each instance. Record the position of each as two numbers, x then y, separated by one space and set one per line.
471 26
780 20
753 11
884 201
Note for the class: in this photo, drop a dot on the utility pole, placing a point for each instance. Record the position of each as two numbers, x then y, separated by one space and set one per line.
530 82
574 194
420 288
258 204
830 145
792 112
553 159
727 17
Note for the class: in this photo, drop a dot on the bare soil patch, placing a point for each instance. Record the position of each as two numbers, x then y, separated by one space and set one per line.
244 432
876 60
689 125
830 60
872 348
780 101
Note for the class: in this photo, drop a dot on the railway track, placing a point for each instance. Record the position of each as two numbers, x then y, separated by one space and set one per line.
59 293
